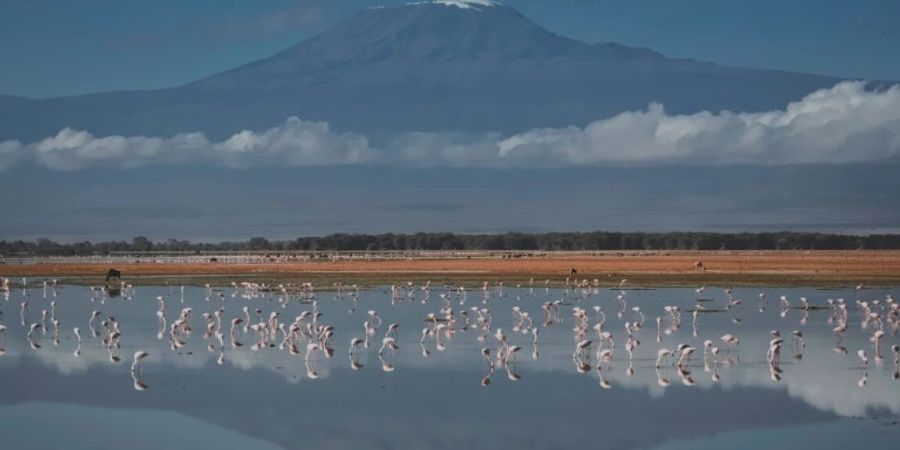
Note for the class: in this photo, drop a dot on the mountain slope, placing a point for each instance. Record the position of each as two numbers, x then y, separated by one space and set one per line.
420 67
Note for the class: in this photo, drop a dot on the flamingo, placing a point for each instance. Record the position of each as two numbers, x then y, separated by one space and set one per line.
138 359
730 341
685 351
660 355
863 357
581 347
389 343
511 353
354 344
797 339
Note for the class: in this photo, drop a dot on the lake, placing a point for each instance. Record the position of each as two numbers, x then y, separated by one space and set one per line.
246 390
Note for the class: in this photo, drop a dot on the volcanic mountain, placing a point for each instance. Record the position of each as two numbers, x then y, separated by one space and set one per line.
445 65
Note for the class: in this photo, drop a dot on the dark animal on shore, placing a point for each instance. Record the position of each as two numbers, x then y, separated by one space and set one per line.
573 272
212 260
113 273
698 266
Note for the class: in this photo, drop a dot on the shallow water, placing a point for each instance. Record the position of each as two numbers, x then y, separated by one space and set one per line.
226 397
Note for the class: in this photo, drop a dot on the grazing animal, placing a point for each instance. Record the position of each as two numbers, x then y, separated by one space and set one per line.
699 267
113 273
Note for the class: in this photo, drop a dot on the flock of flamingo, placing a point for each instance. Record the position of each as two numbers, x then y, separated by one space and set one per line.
593 345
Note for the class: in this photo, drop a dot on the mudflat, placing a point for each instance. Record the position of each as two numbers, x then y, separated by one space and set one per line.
820 268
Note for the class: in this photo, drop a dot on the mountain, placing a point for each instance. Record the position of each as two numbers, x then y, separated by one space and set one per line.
448 65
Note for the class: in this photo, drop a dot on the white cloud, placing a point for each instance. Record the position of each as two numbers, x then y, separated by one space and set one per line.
294 143
75 149
451 148
845 123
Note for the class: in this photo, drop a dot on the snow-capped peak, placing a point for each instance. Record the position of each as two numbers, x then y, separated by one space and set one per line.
463 4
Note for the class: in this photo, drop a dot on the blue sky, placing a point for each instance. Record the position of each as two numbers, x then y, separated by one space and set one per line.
50 47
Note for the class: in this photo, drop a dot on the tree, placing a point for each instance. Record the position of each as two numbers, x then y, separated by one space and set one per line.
141 244
258 243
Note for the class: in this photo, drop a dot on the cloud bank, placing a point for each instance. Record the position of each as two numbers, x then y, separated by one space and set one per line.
843 124
294 143
846 123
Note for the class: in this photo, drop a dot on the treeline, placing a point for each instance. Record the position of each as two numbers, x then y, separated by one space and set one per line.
598 240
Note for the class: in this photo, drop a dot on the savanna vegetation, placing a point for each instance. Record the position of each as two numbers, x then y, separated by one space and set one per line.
583 241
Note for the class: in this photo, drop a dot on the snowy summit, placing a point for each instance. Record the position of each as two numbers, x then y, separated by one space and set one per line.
466 4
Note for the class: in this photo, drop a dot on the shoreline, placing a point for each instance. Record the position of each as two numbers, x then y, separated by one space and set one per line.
649 268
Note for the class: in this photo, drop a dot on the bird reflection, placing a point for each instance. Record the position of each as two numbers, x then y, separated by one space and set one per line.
2 339
661 380
486 379
512 376
448 324
685 374
138 384
354 362
603 379
385 365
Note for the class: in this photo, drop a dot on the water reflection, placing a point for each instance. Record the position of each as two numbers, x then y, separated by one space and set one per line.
427 367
